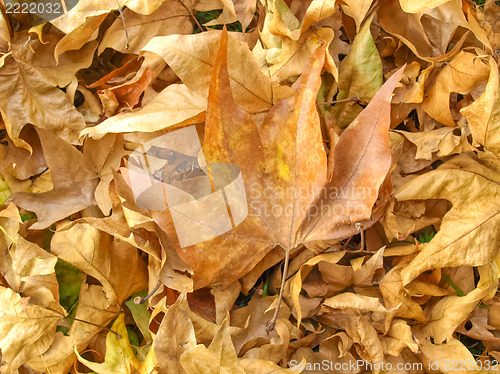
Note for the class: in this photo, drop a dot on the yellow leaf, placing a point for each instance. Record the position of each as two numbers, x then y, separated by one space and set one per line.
120 358
357 9
317 11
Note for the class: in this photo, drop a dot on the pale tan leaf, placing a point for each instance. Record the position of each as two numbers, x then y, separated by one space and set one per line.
317 11
442 141
349 300
396 298
93 306
463 238
104 156
482 114
465 72
49 107
412 6
296 281
176 105
294 55
78 37
449 312
116 264
219 357
175 336
74 185
187 54
398 338
91 8
41 56
26 330
171 18
441 354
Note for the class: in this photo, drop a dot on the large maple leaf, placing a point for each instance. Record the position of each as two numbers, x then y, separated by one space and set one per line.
284 168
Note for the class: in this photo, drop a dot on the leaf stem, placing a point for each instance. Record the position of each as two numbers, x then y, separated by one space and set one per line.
95 324
272 323
127 44
87 322
359 227
142 300
193 17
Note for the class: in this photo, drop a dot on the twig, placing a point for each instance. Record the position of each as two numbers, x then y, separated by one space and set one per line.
359 227
87 322
95 324
127 44
344 246
272 323
193 17
142 300
338 101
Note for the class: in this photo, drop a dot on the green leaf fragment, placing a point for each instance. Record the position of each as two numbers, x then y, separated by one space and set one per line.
4 191
140 315
360 75
70 281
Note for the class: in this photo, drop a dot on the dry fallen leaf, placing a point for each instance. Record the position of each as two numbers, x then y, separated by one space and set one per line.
415 7
361 75
74 184
48 107
93 252
27 268
219 357
175 336
27 330
462 75
482 114
186 53
120 357
464 180
357 177
169 18
338 162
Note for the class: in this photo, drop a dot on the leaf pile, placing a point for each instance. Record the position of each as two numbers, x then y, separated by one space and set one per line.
367 134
